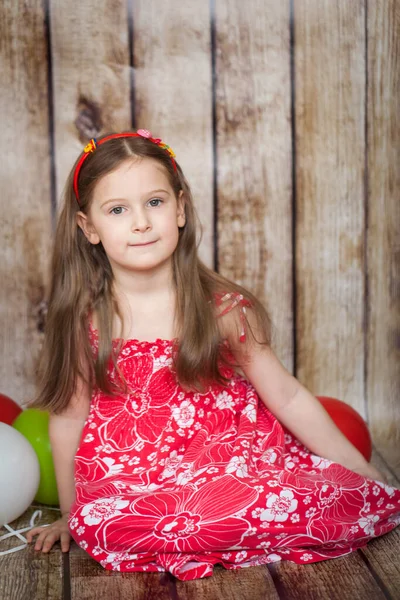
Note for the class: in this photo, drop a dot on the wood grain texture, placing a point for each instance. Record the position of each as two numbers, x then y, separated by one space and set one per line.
254 156
330 149
253 583
382 555
90 581
25 223
27 574
383 230
344 578
91 76
172 63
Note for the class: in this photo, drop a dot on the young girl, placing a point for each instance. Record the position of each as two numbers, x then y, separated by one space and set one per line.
179 439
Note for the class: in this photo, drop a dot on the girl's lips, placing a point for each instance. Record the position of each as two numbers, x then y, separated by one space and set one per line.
146 244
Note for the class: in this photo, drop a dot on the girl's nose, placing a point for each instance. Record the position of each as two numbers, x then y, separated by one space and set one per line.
140 222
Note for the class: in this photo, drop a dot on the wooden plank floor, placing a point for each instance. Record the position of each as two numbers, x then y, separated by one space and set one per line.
369 574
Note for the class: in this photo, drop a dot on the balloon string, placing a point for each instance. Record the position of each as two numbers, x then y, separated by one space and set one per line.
17 532
12 533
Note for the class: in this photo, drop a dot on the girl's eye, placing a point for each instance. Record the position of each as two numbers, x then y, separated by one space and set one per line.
120 208
116 208
155 200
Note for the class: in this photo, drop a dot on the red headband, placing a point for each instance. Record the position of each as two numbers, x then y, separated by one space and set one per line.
92 145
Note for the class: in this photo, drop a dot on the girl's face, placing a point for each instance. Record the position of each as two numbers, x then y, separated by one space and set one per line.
135 215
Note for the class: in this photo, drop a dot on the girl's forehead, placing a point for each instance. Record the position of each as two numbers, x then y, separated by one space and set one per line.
138 174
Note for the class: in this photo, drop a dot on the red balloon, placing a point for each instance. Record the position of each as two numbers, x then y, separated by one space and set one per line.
350 423
9 410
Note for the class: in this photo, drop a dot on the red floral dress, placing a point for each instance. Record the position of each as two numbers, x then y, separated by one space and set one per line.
168 480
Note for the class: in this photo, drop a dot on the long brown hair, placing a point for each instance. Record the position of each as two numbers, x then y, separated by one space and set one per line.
82 281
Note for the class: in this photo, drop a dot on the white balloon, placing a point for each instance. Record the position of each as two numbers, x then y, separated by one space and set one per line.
19 474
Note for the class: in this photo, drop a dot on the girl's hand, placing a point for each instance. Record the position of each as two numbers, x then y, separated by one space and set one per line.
367 470
50 534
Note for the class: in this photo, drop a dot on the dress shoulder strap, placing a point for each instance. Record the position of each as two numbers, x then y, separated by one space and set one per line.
234 299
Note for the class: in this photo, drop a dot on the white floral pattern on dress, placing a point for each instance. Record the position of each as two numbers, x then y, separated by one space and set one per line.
279 507
102 509
184 414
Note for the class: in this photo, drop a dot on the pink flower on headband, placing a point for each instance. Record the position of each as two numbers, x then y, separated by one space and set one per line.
144 133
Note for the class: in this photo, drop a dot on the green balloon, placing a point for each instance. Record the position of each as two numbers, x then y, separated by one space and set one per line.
34 426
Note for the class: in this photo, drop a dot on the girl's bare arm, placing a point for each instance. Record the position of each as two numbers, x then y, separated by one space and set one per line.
65 431
307 419
292 404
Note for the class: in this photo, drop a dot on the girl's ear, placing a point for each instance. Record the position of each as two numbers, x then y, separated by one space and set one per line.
88 229
181 218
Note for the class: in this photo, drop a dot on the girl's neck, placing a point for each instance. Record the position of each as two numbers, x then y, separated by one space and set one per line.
147 316
143 286
147 302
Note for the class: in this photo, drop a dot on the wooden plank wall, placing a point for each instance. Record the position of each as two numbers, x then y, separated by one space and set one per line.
283 116
25 223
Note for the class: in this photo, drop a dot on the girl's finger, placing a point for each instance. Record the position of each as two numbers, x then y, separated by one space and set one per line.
65 541
33 532
39 541
42 537
49 542
47 546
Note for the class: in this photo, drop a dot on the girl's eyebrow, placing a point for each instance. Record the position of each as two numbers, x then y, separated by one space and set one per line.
124 199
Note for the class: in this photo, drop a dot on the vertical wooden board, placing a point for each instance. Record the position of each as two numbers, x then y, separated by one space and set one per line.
344 578
330 150
252 583
90 581
383 233
254 156
172 61
29 574
25 226
91 75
